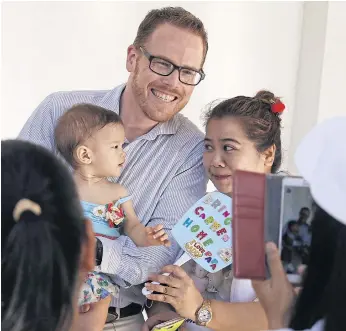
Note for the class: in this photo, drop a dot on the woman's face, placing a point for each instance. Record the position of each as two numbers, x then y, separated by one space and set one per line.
227 149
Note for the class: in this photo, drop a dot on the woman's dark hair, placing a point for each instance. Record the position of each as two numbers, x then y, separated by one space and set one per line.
324 287
40 255
261 125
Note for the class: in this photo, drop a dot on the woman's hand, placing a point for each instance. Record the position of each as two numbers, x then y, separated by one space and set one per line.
276 294
179 291
157 319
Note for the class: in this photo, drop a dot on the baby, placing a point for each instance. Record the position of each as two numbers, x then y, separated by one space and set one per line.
90 138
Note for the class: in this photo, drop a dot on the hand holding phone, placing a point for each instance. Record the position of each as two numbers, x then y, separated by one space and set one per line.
270 208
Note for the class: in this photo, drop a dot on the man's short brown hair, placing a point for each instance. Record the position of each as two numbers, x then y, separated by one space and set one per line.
176 16
78 124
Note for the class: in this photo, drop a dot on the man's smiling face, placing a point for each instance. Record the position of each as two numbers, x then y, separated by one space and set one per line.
161 97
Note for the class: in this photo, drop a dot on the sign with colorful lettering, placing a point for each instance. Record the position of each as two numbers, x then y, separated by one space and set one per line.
205 232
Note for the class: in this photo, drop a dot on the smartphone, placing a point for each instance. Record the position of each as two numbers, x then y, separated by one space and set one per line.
269 208
171 325
295 228
248 233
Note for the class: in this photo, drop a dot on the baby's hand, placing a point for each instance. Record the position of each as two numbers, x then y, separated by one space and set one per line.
156 236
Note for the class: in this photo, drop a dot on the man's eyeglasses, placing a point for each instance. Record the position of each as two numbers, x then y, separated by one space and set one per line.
165 68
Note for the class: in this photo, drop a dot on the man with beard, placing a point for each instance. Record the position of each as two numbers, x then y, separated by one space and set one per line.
163 170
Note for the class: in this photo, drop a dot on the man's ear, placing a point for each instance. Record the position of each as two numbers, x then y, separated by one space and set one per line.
83 155
131 59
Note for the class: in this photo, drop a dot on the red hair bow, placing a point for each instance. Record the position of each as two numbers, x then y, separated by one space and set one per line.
278 107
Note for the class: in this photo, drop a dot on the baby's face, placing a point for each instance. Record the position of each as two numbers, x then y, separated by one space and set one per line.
108 156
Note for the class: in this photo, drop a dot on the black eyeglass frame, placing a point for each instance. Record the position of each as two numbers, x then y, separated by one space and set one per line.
175 67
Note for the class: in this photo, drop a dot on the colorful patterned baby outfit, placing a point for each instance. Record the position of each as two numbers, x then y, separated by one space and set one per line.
107 221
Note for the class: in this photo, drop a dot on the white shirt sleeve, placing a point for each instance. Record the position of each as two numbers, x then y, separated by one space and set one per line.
242 291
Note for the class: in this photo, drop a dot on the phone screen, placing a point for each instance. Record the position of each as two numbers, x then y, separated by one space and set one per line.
295 226
171 325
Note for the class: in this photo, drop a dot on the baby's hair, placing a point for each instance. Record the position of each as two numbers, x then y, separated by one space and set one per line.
78 124
40 250
261 124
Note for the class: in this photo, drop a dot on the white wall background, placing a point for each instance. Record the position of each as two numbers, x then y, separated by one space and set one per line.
333 83
321 78
292 48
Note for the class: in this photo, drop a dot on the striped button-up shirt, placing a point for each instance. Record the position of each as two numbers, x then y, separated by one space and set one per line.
163 172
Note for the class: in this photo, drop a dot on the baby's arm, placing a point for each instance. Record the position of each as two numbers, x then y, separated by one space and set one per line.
141 235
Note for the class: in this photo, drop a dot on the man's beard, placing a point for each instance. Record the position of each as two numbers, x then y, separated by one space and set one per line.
140 96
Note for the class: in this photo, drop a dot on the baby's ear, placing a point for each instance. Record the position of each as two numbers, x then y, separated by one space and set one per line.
83 155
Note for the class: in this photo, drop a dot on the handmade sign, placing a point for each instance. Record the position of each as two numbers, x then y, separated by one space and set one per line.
205 233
